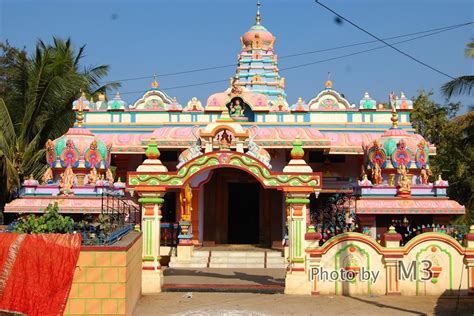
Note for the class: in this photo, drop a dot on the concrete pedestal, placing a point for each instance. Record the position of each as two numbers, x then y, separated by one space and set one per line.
152 280
297 283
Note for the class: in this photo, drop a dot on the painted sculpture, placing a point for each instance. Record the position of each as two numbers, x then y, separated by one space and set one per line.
185 200
47 176
66 181
257 151
192 152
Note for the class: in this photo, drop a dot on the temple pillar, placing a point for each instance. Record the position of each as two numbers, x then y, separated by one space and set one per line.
195 217
296 281
152 276
391 239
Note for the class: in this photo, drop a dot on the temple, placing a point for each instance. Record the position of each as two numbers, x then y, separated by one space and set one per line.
246 166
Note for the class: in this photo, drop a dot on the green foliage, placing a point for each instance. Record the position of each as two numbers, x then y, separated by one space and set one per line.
463 85
454 140
36 95
50 222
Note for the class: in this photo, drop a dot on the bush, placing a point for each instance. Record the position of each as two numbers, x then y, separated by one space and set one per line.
50 222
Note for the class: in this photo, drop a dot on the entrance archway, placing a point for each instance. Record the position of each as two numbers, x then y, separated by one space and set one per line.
238 210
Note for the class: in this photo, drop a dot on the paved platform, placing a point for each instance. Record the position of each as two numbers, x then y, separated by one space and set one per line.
279 304
224 280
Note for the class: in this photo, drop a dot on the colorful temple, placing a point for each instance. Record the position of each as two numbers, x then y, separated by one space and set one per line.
247 166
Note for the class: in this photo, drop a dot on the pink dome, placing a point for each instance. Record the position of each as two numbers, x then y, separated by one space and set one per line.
259 35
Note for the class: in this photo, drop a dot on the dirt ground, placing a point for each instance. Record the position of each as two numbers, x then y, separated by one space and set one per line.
174 303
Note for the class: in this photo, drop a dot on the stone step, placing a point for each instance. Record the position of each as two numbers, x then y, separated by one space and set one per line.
236 260
273 254
187 265
236 266
200 253
275 260
253 254
280 265
193 259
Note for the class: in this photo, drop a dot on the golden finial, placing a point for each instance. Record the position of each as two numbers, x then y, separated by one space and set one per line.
80 113
329 82
258 19
154 83
394 118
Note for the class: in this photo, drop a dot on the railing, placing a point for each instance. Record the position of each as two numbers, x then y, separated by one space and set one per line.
117 218
456 231
169 234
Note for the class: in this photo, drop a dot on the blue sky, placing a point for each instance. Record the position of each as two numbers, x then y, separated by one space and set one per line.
139 38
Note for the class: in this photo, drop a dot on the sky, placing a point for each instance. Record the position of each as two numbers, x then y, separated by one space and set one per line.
140 38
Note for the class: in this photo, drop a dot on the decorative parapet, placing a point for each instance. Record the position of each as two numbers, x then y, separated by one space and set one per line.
212 160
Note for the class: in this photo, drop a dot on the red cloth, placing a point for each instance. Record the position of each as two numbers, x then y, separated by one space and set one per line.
36 272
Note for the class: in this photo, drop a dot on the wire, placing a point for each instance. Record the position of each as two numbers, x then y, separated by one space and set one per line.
381 40
441 30
295 54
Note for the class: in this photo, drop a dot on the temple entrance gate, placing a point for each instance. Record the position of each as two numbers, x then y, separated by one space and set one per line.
152 180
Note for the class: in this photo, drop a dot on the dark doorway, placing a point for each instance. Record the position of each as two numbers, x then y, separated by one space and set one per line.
243 213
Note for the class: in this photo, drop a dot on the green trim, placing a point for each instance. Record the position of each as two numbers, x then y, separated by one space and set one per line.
297 260
156 200
297 201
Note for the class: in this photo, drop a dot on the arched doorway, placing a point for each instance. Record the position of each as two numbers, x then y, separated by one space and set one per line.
238 210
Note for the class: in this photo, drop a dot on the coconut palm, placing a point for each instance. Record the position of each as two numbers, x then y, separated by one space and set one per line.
44 87
463 85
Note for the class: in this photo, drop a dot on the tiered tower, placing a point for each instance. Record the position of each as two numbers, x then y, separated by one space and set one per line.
258 66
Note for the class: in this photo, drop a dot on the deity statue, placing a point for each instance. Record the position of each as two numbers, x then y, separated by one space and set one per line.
109 176
236 109
403 180
377 174
424 174
235 89
185 199
47 176
93 176
225 140
66 181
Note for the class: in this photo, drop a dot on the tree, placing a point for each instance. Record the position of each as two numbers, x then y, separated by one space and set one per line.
40 90
463 85
453 137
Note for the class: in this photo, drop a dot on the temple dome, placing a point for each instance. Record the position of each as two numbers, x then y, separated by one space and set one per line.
396 146
78 148
258 36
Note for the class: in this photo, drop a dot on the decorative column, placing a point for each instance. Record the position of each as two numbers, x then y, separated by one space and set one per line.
391 239
297 202
469 259
312 238
151 199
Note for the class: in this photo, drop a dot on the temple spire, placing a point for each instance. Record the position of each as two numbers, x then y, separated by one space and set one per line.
154 83
258 19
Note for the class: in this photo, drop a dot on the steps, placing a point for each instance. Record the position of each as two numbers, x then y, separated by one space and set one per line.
251 259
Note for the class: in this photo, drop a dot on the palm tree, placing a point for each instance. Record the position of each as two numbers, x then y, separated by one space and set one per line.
463 85
44 87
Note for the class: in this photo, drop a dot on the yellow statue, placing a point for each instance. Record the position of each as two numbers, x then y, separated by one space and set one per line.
185 199
403 181
66 181
47 176
377 174
93 176
109 176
